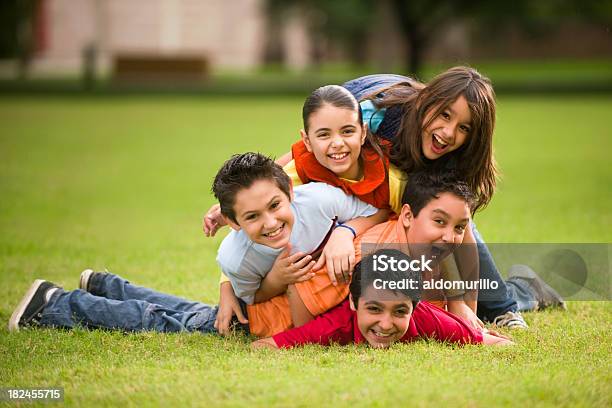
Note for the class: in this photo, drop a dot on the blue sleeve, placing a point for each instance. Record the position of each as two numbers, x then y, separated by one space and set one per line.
371 116
242 267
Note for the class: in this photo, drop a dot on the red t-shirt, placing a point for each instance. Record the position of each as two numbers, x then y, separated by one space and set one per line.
339 325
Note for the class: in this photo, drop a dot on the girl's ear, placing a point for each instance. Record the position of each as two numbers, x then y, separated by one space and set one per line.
365 133
231 223
306 140
405 216
351 303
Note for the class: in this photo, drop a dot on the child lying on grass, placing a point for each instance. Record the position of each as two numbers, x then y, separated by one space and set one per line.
256 197
381 317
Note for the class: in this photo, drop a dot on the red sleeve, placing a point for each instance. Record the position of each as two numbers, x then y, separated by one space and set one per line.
333 326
433 322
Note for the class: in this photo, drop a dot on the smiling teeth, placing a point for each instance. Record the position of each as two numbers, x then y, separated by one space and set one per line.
274 233
442 142
379 334
338 156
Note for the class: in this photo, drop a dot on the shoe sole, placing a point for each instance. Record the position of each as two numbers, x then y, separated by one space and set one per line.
84 279
550 297
13 325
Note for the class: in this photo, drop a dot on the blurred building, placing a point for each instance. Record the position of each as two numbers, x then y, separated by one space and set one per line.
238 34
228 33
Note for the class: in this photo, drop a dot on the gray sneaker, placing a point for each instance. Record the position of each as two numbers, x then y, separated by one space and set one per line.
544 294
29 310
511 320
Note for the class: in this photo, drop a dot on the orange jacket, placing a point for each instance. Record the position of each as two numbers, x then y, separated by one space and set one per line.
373 189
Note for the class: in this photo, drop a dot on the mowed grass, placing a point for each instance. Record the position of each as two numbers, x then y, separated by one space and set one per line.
122 183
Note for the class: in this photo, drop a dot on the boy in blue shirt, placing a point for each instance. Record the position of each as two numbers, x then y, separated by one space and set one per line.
257 199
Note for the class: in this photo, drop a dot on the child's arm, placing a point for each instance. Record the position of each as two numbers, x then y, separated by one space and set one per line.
333 326
493 338
213 221
459 307
300 315
466 256
339 252
267 342
287 269
284 159
228 307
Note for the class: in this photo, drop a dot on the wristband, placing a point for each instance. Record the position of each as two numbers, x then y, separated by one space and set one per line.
347 227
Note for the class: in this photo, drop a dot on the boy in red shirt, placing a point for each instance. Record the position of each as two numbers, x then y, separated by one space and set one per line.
380 316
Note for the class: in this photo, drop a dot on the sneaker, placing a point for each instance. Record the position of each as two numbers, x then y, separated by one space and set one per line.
511 320
544 294
29 311
85 278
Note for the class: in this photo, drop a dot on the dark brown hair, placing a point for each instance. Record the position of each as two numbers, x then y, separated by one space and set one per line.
240 172
474 160
340 97
424 186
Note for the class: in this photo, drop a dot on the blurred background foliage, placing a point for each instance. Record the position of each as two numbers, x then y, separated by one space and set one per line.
524 46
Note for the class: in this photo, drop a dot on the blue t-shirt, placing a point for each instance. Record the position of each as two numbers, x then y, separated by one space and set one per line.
315 206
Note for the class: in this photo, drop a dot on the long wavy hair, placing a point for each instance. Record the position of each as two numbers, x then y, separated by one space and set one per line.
421 104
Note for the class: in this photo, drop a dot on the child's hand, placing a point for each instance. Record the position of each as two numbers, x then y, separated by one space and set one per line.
493 338
267 342
339 256
495 333
461 309
213 220
228 307
290 269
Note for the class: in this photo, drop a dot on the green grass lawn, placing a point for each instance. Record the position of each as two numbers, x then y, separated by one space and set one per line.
122 183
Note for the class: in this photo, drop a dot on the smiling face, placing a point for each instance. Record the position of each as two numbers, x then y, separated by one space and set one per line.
383 316
264 212
448 131
335 137
440 225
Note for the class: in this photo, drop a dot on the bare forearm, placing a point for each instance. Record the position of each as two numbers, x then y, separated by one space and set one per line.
466 256
267 342
300 315
270 287
284 159
490 340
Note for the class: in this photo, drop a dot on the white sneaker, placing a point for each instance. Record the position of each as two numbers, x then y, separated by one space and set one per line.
511 320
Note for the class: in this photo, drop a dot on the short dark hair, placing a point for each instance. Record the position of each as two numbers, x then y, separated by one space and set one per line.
364 276
339 97
424 186
240 172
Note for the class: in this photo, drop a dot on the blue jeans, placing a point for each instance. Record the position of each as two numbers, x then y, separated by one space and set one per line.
510 296
114 303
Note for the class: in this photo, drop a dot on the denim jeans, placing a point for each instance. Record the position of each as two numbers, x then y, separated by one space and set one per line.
114 303
512 295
